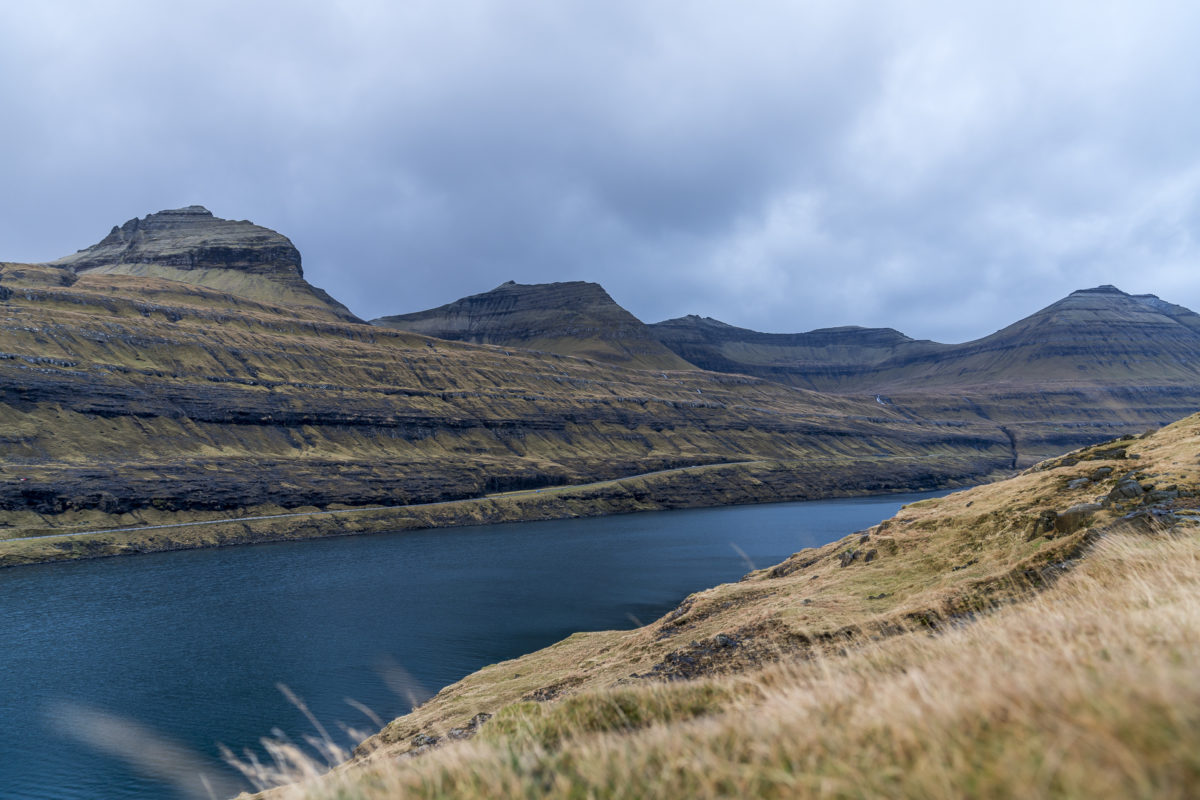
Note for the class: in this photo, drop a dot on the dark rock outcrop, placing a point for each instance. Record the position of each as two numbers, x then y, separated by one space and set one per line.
1095 364
191 245
573 318
827 359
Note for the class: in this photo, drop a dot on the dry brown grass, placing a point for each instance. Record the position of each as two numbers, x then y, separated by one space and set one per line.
1091 689
1082 682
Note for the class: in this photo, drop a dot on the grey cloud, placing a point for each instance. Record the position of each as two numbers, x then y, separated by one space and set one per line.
933 167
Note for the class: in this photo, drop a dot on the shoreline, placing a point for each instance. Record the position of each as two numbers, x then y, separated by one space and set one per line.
725 484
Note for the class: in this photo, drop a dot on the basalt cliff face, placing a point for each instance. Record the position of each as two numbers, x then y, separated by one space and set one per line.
1101 336
573 318
190 245
182 370
1047 380
131 397
1096 363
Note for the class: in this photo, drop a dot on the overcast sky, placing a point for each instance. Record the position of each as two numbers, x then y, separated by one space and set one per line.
940 168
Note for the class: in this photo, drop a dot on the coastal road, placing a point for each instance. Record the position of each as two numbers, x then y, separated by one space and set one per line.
518 493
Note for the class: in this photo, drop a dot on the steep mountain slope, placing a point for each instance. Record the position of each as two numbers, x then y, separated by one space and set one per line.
130 399
1046 381
192 246
828 359
1100 336
573 318
1064 603
1093 363
183 370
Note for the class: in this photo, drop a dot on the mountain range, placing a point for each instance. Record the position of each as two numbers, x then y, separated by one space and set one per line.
1097 356
183 370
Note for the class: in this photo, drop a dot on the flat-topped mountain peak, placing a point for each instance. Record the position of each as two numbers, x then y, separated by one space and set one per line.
191 238
577 318
194 246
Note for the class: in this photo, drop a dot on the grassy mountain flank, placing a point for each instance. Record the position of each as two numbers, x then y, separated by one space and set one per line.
1092 364
190 245
1099 336
128 400
182 370
1036 637
573 318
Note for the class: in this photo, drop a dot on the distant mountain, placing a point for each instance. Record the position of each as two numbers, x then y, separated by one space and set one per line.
1099 335
183 368
828 358
192 246
1098 356
573 318
1094 336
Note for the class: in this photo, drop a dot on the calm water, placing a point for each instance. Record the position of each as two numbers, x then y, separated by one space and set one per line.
189 646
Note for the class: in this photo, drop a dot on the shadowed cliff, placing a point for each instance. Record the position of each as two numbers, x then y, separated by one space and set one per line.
182 370
573 318
192 246
137 396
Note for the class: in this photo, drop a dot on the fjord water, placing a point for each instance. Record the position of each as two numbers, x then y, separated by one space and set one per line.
187 648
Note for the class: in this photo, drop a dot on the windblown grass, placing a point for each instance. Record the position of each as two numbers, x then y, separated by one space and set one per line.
998 662
1089 689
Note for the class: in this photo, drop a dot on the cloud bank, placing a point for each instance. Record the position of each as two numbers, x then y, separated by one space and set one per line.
940 168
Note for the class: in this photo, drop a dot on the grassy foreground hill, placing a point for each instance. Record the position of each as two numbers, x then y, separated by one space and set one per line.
1037 637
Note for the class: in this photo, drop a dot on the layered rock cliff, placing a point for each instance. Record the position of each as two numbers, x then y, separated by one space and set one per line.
1099 336
572 318
129 399
183 369
192 246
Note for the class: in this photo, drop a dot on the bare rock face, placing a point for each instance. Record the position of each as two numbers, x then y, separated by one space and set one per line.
191 245
192 238
574 318
1093 336
1097 363
827 359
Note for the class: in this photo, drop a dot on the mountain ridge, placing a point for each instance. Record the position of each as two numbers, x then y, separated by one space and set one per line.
875 358
136 390
191 245
570 318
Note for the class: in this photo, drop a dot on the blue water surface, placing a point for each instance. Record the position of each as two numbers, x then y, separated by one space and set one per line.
187 648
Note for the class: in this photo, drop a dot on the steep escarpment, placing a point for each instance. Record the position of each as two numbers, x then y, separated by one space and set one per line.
828 359
1098 356
192 246
128 400
1099 336
571 318
182 369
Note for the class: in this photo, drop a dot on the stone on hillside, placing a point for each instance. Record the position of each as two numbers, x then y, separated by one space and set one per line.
1044 524
1075 517
1126 489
